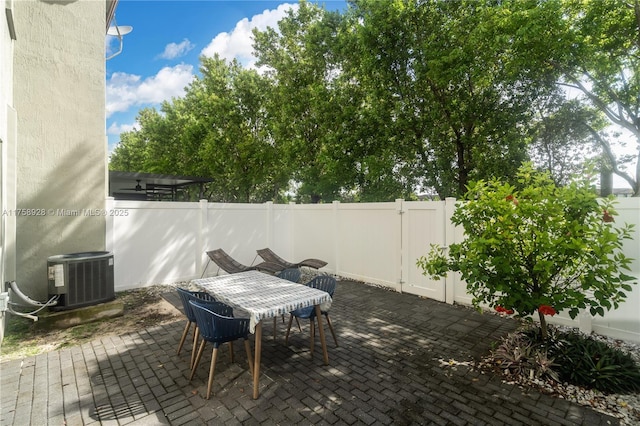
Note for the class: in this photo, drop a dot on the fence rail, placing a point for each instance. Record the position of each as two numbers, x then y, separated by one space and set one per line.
165 242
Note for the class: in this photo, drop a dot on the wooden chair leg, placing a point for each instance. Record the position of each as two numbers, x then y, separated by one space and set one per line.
333 333
212 368
274 327
184 335
197 361
312 325
286 339
196 335
299 328
247 347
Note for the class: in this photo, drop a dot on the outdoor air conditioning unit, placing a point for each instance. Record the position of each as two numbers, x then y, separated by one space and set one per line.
81 279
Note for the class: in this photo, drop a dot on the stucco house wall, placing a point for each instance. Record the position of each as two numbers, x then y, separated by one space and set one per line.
61 149
7 152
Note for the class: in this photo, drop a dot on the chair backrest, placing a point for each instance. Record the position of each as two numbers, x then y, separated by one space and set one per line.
226 262
321 282
216 306
186 295
291 274
324 283
216 323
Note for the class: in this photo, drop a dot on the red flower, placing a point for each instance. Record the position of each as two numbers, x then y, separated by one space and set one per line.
512 199
504 310
606 216
547 310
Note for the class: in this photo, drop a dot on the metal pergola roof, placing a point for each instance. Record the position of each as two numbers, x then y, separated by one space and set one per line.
150 186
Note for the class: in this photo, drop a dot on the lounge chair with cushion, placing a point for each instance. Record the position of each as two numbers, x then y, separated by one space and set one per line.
271 258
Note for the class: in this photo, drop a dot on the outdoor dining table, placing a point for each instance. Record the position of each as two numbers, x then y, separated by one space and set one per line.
265 296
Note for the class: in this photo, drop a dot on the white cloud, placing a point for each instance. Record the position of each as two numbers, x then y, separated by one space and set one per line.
117 129
175 50
238 43
127 90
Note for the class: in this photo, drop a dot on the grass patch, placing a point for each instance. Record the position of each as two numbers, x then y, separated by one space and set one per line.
20 338
142 308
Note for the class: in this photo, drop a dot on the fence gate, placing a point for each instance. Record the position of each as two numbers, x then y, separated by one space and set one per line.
423 224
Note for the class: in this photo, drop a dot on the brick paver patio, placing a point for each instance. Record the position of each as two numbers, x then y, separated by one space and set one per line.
391 368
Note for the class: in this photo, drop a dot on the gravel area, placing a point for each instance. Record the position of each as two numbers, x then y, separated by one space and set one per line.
625 407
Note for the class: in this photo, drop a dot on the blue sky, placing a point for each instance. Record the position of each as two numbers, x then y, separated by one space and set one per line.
160 56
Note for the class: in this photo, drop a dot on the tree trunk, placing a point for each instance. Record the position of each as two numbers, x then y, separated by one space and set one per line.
543 326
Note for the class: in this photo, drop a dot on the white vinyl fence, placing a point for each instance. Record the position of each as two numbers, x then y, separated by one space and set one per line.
379 243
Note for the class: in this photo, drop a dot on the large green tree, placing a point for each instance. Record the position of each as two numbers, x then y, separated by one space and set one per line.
562 140
308 109
397 96
593 47
218 130
442 82
605 67
391 98
230 133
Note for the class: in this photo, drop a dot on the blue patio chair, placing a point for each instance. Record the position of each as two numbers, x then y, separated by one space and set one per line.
217 326
185 296
324 283
291 274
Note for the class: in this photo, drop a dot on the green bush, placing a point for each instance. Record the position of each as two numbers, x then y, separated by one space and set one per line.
536 247
520 355
568 357
587 362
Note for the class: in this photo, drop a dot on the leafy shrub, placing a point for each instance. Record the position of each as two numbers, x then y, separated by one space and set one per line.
537 247
587 362
568 357
520 355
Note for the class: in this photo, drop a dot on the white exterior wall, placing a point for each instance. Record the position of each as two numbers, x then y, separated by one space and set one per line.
624 322
59 98
7 156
